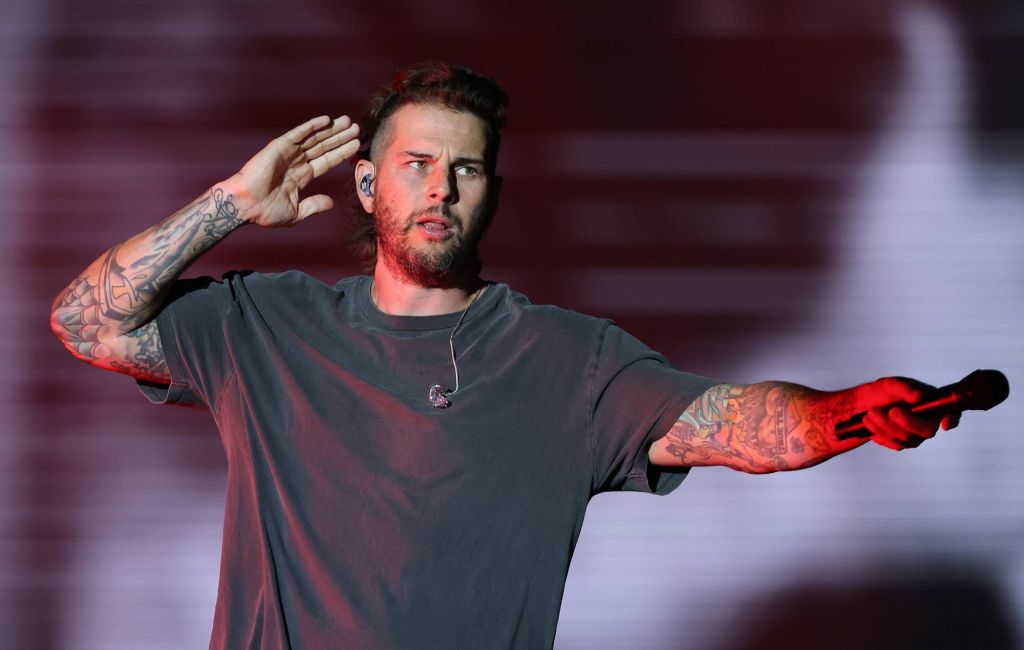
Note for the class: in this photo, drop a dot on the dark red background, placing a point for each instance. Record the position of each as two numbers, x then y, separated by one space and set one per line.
824 192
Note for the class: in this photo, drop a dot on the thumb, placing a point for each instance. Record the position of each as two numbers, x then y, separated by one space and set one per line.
314 204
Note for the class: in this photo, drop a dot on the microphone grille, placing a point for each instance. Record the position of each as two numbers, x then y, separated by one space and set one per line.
986 388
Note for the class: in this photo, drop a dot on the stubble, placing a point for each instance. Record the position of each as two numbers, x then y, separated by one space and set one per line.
437 264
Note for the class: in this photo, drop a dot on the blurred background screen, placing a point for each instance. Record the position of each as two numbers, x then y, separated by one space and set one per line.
819 191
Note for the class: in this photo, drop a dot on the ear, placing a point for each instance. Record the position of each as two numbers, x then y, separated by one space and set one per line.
364 168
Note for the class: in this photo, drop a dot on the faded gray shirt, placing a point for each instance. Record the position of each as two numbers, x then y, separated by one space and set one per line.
360 516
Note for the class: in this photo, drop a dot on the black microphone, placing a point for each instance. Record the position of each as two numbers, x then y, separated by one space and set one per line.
978 391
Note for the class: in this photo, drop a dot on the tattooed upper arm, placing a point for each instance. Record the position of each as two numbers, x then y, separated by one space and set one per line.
139 353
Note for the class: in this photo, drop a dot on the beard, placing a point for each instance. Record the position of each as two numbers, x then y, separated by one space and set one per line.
438 264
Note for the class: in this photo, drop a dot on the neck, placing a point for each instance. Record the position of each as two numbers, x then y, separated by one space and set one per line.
396 295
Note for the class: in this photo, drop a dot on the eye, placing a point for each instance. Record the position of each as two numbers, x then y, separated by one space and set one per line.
418 164
467 171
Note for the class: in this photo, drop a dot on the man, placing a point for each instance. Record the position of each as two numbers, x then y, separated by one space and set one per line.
411 453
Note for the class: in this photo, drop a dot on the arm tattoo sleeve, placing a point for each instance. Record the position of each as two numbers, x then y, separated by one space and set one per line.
121 301
128 292
757 428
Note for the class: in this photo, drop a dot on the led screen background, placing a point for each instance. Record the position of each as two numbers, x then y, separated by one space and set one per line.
809 191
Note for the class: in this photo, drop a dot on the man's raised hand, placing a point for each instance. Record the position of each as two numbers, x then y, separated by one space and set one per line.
268 186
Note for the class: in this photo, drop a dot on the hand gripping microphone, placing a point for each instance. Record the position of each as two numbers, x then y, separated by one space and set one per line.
978 391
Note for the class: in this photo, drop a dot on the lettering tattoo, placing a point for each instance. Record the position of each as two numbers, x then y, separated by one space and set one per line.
758 428
113 300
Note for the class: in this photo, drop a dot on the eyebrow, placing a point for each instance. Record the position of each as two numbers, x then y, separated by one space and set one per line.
461 160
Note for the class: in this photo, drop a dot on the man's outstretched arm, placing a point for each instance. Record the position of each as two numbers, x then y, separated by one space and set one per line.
105 316
772 425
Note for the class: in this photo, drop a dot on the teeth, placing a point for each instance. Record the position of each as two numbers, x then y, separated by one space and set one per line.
433 225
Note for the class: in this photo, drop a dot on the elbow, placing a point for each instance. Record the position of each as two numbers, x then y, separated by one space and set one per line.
57 326
68 340
73 334
59 316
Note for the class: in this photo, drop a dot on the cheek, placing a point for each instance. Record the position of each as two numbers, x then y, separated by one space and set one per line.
394 195
391 182
473 193
407 184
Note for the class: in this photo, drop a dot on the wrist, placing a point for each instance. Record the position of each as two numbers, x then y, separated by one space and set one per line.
835 407
233 200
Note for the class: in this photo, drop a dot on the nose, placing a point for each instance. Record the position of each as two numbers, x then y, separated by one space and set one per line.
443 187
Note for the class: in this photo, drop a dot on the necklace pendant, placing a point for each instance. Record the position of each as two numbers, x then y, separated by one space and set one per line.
439 396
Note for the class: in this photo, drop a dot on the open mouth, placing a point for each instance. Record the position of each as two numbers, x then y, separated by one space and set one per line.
434 227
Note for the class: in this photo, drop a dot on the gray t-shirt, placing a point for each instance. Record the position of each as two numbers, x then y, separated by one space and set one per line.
360 516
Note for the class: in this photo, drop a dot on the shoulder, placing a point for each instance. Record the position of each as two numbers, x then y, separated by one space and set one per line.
601 337
283 280
288 293
551 321
285 285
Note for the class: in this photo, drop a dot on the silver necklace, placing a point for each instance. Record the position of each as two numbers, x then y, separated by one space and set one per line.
439 393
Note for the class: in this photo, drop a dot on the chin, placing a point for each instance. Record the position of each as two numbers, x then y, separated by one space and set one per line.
437 270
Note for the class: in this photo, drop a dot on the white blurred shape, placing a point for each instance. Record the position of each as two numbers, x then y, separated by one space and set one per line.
927 284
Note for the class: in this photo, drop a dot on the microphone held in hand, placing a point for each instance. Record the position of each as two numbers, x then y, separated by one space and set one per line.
978 391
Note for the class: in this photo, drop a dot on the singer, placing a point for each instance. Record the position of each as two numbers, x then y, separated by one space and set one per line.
411 452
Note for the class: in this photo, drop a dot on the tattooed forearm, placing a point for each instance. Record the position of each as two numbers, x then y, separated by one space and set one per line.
757 428
129 293
125 287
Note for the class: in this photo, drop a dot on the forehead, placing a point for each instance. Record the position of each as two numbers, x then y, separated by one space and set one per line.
426 128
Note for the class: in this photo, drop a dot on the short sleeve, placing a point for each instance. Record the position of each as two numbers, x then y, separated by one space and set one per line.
191 324
638 395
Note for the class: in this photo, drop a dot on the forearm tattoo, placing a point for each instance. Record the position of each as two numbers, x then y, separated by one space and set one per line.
128 296
758 427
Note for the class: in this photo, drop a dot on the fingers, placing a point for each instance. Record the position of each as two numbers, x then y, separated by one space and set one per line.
897 428
303 131
333 157
339 124
321 140
903 417
897 389
950 421
314 204
332 141
325 144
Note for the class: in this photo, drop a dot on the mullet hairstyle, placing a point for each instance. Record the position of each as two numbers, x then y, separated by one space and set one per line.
441 84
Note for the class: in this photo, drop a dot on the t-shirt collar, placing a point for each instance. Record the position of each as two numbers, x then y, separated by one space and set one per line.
484 303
